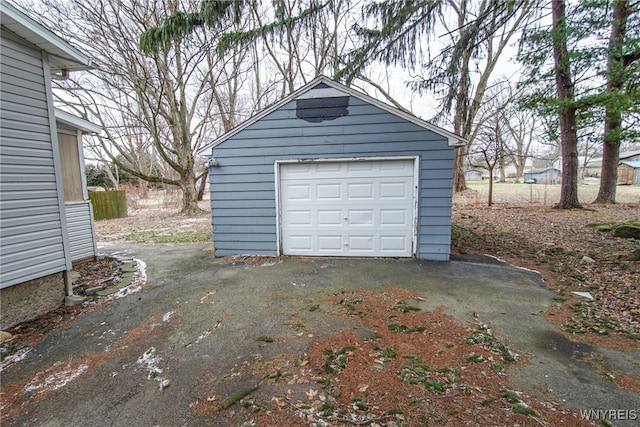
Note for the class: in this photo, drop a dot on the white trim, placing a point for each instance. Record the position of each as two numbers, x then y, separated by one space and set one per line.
453 139
416 203
55 146
416 190
346 159
83 170
76 122
276 175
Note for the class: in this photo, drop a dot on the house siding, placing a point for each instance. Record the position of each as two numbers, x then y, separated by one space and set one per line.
31 220
80 228
243 187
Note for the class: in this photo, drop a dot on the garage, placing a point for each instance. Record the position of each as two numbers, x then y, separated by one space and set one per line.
331 171
348 208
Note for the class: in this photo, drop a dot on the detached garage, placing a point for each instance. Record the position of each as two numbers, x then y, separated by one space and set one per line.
330 171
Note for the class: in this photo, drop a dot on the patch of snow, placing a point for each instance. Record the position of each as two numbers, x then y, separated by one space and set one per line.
149 360
269 264
14 358
139 280
57 379
584 295
514 266
167 316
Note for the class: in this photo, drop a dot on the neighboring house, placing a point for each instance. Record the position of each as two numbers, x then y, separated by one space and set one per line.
40 169
472 175
330 171
594 166
629 173
542 163
543 176
630 156
511 171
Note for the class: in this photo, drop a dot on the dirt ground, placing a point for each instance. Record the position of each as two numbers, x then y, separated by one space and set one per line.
571 256
414 359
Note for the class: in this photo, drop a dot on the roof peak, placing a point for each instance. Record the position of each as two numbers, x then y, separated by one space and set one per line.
333 88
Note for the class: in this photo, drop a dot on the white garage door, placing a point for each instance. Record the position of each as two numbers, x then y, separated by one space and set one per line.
355 208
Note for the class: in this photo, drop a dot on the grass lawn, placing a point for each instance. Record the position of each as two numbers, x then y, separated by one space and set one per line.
540 194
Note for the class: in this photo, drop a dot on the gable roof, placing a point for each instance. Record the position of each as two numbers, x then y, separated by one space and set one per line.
333 86
627 154
539 171
634 165
62 56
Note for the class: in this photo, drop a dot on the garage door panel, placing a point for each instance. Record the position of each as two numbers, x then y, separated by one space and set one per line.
394 217
298 192
394 190
361 217
329 217
392 243
361 243
300 217
359 208
398 165
329 243
360 190
329 191
298 168
327 168
300 242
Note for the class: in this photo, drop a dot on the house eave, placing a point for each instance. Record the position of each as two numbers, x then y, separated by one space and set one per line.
76 122
62 56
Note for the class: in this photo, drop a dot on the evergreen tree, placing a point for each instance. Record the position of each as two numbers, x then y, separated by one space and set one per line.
622 92
601 60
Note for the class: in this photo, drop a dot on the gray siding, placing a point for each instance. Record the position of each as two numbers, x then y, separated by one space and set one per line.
80 228
31 233
243 194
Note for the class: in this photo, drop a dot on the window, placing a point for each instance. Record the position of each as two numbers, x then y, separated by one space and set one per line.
70 167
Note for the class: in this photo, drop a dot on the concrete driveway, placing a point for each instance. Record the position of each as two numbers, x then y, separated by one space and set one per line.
143 359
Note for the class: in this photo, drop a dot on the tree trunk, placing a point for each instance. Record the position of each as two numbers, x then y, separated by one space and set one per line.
613 114
567 110
459 183
203 182
189 196
490 198
143 189
503 172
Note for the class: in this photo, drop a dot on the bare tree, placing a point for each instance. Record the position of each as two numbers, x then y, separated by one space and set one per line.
455 46
489 150
160 106
523 129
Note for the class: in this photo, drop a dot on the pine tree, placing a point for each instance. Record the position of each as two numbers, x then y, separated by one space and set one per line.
621 92
601 58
